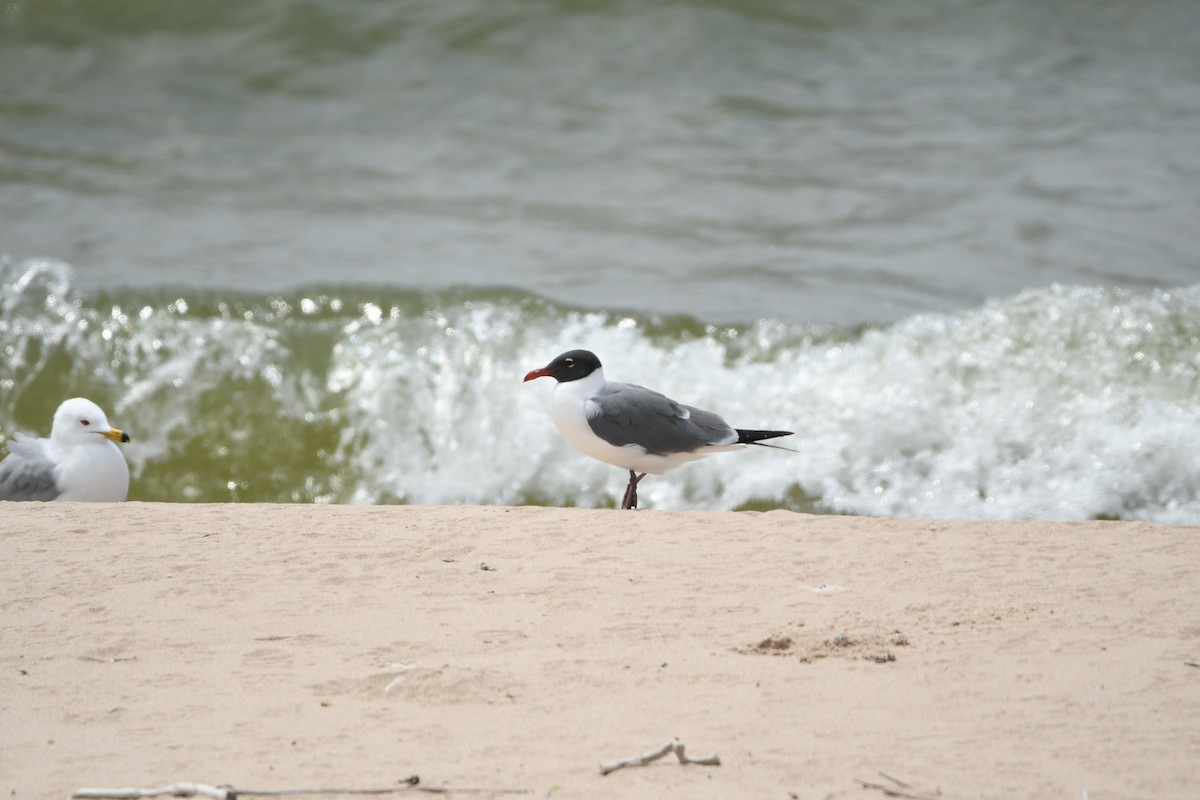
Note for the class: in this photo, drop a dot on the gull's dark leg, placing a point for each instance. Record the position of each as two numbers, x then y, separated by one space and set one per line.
630 499
630 491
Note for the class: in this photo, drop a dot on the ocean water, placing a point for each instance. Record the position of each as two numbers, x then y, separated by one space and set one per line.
305 251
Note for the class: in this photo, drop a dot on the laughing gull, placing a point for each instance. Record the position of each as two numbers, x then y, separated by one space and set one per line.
78 462
632 427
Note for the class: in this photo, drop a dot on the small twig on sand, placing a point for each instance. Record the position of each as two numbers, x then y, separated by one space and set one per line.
674 746
230 793
899 789
896 781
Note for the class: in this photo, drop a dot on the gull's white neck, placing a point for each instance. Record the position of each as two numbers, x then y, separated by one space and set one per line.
583 388
570 407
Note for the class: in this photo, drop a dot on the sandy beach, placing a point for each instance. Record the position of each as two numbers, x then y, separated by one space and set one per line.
276 647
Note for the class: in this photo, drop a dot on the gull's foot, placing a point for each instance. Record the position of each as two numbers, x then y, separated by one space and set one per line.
630 498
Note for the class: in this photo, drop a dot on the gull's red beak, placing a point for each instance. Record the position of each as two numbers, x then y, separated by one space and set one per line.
538 373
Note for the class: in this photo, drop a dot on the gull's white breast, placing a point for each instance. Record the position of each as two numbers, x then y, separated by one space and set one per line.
95 472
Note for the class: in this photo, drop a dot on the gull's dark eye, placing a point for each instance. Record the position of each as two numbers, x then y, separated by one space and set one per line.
84 422
569 361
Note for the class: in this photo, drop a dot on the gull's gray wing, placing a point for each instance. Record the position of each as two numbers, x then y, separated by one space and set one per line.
27 473
629 414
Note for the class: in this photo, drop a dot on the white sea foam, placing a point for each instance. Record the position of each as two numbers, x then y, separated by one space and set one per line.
1064 403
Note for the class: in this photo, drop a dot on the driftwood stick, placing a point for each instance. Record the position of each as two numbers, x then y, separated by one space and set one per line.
408 784
174 790
230 793
674 746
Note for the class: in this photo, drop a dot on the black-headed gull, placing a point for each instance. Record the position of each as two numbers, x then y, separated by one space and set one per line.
632 427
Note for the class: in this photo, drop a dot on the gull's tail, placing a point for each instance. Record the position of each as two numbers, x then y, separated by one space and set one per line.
754 437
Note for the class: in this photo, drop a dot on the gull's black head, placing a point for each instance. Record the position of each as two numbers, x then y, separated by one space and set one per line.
570 366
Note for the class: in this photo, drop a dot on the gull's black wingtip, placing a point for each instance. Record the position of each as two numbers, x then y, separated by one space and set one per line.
750 437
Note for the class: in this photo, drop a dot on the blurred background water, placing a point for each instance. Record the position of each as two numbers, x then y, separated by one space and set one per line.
305 250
